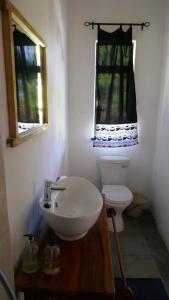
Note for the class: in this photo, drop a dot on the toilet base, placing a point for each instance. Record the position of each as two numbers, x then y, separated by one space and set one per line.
118 221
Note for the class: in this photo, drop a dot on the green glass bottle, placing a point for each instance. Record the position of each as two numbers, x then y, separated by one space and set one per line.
51 261
30 262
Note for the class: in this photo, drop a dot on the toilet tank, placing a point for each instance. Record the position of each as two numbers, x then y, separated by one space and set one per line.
113 169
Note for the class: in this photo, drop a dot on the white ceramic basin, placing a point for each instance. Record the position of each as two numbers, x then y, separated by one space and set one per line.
75 210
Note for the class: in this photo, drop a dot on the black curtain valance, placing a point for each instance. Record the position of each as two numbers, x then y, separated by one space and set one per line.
118 37
21 39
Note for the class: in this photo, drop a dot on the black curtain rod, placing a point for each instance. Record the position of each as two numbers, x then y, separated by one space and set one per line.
144 24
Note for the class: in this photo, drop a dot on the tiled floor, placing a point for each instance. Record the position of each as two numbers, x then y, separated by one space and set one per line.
145 254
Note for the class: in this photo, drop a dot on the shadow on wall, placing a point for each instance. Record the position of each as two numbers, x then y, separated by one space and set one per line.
57 14
34 215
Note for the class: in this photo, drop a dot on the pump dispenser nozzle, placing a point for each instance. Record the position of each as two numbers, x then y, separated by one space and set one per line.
30 236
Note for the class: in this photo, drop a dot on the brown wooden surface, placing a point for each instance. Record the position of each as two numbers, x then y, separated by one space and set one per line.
86 269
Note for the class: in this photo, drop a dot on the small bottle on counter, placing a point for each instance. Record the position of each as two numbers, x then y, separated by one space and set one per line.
30 262
51 264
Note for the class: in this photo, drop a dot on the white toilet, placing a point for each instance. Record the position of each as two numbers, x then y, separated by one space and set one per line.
117 195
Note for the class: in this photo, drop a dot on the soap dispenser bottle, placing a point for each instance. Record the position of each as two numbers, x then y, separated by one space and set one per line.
30 256
51 264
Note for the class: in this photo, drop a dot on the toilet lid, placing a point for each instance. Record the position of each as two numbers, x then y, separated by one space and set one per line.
117 194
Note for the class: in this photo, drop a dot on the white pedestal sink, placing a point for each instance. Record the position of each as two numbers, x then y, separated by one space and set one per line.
74 210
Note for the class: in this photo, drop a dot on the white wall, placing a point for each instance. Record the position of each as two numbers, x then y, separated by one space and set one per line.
5 246
44 156
83 157
161 158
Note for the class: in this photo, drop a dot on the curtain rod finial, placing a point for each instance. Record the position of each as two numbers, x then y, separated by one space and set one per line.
89 23
86 23
147 24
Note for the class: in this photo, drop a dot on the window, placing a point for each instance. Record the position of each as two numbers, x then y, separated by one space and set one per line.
115 101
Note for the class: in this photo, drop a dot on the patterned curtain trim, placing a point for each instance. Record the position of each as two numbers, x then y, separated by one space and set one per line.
22 127
121 135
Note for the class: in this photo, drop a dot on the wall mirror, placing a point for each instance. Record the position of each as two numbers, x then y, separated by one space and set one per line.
25 65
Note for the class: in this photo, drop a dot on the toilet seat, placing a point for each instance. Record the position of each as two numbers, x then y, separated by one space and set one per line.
117 194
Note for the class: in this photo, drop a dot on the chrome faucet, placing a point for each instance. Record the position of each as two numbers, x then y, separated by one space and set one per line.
46 190
49 187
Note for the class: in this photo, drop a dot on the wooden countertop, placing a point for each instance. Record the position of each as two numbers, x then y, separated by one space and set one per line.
85 269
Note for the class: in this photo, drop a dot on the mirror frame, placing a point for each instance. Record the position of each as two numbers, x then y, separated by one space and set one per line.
11 14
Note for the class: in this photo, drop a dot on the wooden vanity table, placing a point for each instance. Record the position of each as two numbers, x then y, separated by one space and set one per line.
85 270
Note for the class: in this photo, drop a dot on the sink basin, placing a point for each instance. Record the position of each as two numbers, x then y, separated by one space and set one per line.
74 210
